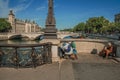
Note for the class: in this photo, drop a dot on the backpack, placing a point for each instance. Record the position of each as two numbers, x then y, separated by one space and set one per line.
68 49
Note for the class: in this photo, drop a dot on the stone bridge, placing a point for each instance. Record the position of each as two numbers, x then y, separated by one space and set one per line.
33 36
61 35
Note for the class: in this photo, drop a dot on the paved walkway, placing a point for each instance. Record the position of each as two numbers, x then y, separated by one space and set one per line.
66 70
93 67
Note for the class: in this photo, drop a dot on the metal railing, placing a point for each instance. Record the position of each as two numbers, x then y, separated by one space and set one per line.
25 55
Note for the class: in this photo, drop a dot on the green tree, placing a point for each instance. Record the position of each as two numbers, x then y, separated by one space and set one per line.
4 25
67 29
79 27
111 27
117 26
96 23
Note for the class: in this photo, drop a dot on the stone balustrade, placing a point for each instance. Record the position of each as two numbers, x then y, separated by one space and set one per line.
117 44
82 45
87 45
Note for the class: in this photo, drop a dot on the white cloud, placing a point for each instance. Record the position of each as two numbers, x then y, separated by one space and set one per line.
24 4
4 6
40 8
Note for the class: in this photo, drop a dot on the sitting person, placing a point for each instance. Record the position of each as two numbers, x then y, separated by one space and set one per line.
106 50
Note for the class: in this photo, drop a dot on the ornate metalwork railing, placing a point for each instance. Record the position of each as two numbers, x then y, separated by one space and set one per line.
25 55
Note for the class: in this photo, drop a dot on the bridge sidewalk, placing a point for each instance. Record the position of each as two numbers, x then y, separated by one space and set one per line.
62 70
117 59
44 72
56 71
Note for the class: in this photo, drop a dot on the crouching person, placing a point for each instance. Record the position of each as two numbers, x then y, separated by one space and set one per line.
73 45
66 49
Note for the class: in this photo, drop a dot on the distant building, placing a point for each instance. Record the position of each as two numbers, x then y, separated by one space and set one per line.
117 18
20 26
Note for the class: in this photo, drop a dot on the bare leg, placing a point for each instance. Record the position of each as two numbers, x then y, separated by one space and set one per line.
107 53
76 56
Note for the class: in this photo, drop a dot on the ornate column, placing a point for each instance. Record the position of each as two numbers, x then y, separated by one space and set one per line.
50 34
50 30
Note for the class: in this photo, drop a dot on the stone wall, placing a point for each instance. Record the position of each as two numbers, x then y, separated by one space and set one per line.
3 36
87 45
117 44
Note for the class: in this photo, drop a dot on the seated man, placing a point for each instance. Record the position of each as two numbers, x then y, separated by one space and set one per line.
106 50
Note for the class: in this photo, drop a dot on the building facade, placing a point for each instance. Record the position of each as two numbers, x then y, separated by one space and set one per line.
117 18
20 26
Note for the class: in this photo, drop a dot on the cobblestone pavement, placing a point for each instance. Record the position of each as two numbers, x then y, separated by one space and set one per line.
93 67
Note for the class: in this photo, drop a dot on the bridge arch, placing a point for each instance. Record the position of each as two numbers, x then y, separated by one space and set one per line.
18 36
62 36
13 36
39 37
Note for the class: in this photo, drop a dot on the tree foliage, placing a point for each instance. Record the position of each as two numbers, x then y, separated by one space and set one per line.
79 27
68 29
4 25
117 26
97 25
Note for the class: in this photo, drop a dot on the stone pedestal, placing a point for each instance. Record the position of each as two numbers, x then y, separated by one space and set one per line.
54 49
117 45
118 52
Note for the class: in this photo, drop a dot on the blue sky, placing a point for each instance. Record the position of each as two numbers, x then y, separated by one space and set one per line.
68 13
